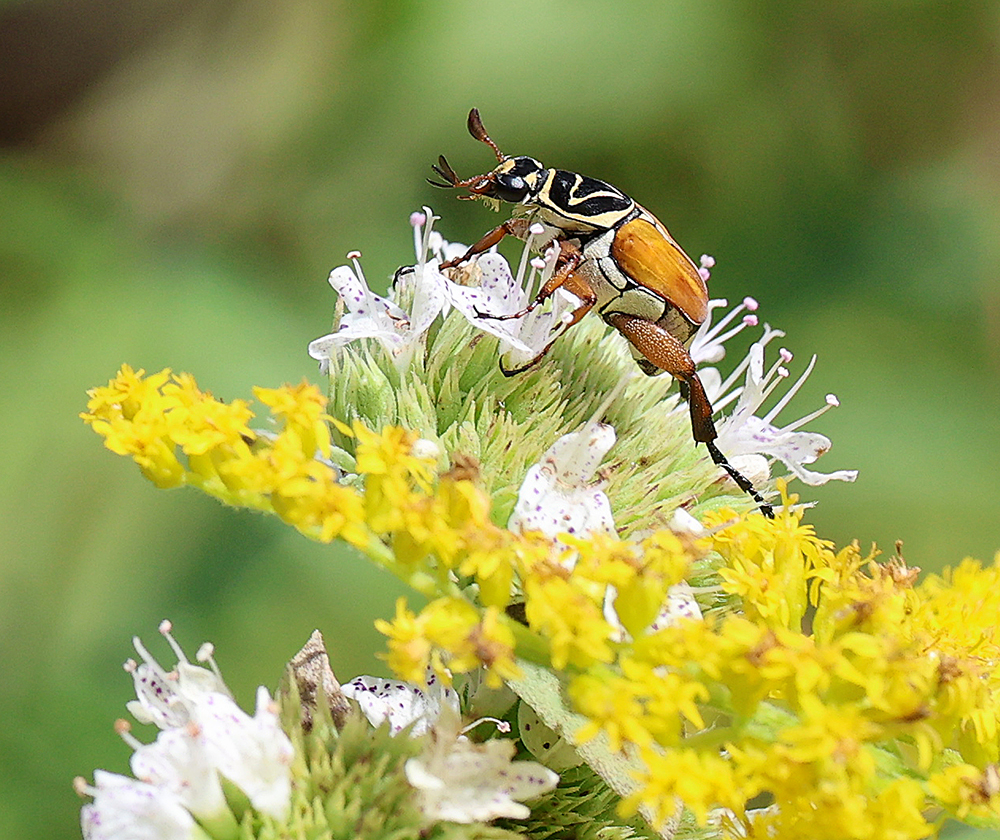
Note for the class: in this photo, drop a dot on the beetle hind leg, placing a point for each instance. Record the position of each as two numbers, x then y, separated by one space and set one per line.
663 350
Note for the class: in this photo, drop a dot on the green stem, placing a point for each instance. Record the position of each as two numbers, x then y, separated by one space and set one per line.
530 647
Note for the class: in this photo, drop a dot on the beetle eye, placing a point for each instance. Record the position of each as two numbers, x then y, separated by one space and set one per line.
510 188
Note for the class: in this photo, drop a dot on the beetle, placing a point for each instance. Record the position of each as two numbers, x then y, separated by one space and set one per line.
614 256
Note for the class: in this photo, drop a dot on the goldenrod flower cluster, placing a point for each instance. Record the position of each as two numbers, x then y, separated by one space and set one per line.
856 703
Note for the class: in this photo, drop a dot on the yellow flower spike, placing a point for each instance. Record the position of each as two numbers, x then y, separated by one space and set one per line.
488 556
123 396
302 410
667 555
395 478
157 458
409 650
390 453
129 413
464 504
769 563
449 635
610 703
966 790
604 559
494 644
663 701
702 781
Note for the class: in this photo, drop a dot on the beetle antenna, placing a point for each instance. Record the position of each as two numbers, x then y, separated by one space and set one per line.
444 169
476 130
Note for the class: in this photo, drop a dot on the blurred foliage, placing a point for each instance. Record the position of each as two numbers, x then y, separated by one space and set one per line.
178 178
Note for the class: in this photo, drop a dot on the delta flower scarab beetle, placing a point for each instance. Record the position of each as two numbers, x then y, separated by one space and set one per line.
615 256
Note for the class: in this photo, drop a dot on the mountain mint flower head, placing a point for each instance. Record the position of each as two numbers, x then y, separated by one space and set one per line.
586 574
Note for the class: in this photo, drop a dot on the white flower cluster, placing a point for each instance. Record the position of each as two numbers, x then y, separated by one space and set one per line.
177 791
488 304
749 439
455 779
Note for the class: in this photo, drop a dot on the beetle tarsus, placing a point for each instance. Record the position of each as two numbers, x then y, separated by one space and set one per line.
741 480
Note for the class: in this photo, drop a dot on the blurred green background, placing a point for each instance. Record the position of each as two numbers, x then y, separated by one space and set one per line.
178 177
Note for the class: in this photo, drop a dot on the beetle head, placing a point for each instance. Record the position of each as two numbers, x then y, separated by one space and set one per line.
515 180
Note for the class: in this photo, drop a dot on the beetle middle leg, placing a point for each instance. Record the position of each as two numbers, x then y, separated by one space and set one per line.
564 277
572 283
666 352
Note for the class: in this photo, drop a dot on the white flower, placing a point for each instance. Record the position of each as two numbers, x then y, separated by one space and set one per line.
382 318
459 781
558 495
252 752
176 761
680 604
499 295
708 341
205 734
165 698
748 440
401 703
708 348
125 809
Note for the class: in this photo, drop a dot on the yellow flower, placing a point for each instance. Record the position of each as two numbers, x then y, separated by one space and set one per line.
449 635
701 781
770 562
303 410
856 699
570 620
968 790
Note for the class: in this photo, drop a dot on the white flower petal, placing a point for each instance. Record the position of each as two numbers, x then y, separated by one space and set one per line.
401 703
429 297
557 496
745 436
254 753
459 781
680 604
496 294
177 762
165 698
371 316
126 809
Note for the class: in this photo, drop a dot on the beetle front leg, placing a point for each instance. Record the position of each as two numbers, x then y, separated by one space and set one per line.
667 353
492 238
